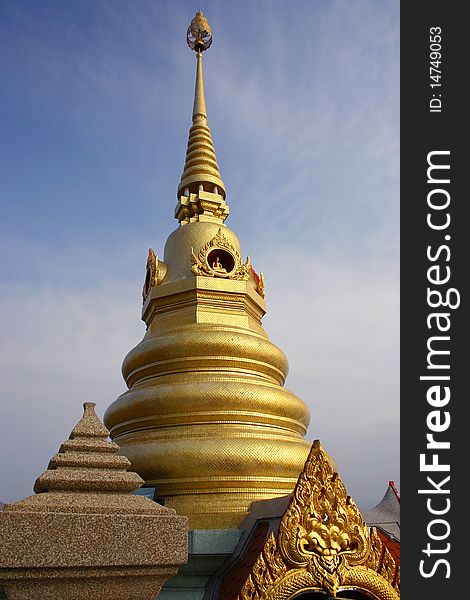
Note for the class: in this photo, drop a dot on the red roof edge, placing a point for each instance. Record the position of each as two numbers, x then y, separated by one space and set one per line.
392 545
394 488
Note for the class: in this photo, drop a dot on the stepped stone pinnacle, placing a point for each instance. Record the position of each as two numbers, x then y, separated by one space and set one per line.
88 462
83 533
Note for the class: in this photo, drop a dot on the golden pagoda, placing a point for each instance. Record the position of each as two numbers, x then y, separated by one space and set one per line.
206 418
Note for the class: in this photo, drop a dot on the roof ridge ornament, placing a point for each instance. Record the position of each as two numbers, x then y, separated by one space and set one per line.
323 543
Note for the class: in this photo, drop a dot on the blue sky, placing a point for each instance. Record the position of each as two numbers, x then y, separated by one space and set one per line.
95 107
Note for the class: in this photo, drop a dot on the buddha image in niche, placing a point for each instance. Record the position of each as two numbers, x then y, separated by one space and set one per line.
217 265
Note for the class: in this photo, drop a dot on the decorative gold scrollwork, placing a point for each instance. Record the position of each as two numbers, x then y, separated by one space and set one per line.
153 274
322 525
219 258
199 34
260 285
322 543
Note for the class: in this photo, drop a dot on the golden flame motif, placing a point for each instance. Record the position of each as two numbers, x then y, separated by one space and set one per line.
155 272
260 285
323 543
151 274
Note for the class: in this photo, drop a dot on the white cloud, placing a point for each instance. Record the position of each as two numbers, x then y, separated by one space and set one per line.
338 322
60 348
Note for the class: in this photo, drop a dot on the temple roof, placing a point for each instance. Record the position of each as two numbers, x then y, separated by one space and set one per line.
392 545
333 531
386 515
264 519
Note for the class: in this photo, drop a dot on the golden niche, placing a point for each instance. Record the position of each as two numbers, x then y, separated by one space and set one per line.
218 258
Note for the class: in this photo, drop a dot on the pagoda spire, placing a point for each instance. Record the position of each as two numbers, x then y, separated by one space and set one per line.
201 192
206 418
199 106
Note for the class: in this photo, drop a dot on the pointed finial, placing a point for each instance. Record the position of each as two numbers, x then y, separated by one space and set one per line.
199 38
89 425
88 462
199 34
201 192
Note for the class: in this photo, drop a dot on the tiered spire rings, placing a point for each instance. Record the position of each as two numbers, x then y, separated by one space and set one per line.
201 190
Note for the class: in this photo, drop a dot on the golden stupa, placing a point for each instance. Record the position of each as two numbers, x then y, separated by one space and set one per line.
206 417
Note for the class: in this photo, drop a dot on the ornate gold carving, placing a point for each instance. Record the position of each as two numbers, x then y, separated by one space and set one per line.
153 275
260 285
199 34
201 205
207 262
322 525
381 561
249 591
323 543
275 563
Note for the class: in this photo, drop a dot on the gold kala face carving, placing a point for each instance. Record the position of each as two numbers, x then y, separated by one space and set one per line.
323 526
323 544
218 258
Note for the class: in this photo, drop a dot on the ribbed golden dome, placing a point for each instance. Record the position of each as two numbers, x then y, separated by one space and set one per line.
206 417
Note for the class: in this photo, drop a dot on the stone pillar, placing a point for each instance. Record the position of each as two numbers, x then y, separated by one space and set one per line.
84 534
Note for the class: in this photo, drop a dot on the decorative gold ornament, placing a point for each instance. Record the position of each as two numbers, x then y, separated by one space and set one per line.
199 34
201 191
322 525
260 285
218 258
201 206
153 275
323 543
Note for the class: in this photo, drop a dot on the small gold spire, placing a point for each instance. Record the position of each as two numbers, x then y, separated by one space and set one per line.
201 192
199 106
